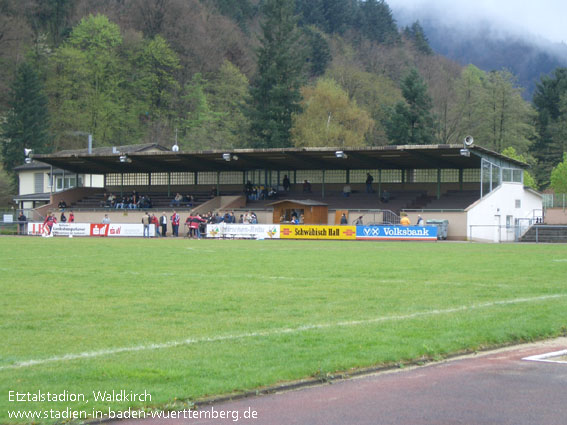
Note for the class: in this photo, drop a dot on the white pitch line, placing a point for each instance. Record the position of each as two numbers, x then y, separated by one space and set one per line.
268 333
547 356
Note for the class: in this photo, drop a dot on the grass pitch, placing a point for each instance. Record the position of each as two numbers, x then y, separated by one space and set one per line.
183 319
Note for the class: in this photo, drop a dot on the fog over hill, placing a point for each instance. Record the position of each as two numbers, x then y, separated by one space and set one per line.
528 42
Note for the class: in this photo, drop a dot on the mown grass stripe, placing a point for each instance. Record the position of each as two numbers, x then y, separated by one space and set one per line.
273 332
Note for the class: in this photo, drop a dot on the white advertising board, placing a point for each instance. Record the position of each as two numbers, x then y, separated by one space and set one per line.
249 231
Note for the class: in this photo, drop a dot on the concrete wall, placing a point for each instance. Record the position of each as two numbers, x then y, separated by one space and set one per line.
555 216
457 229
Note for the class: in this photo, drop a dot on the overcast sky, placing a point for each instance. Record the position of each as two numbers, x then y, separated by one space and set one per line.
544 18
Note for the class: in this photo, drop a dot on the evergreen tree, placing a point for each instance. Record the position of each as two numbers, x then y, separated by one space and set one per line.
27 123
318 51
375 21
275 94
411 122
332 16
551 106
417 35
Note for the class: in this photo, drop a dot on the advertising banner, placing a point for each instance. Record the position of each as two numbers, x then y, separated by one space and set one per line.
317 232
397 233
250 231
61 229
120 230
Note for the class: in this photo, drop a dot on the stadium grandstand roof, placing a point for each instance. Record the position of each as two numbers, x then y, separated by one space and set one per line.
156 158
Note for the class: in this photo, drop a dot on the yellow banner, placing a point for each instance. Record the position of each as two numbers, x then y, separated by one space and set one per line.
317 232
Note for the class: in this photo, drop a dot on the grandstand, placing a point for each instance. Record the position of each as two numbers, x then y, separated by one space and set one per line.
438 181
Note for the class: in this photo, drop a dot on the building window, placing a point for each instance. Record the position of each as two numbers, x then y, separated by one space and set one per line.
63 183
518 203
509 221
38 182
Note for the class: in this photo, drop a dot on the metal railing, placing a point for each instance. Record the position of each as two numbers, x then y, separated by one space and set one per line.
522 231
555 200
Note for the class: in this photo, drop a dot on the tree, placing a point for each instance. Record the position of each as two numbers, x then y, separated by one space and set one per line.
375 21
549 100
411 122
529 180
275 94
330 118
227 94
155 86
318 51
508 117
88 83
374 93
417 35
559 176
27 124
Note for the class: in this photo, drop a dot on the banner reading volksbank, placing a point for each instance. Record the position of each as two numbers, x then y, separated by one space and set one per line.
249 231
397 233
317 232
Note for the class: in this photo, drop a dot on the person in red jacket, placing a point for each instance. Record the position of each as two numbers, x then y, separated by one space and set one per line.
48 223
71 217
195 223
175 219
155 222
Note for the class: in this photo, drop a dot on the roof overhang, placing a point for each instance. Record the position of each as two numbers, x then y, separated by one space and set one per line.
285 159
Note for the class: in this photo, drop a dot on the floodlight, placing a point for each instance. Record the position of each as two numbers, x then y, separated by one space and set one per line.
27 152
465 152
226 156
341 154
175 148
468 141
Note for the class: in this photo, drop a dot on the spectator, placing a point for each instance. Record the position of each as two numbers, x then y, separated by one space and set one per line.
385 196
62 205
369 180
71 217
106 220
420 221
405 221
194 225
110 201
154 220
346 190
286 183
146 219
306 186
358 221
63 219
344 220
163 224
22 223
177 200
190 200
175 219
248 189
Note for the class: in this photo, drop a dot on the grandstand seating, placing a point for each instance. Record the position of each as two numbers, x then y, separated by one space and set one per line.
357 200
160 200
452 200
399 200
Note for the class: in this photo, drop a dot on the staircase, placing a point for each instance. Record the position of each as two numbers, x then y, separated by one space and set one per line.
545 234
